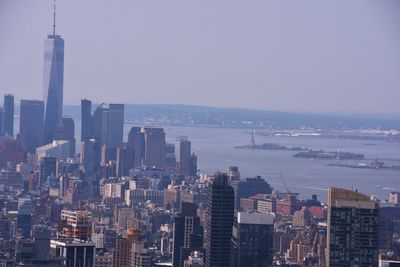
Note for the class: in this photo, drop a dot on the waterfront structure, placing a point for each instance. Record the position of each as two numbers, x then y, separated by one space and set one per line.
186 234
108 124
86 119
53 82
352 229
8 115
252 240
31 124
59 149
136 142
154 140
219 222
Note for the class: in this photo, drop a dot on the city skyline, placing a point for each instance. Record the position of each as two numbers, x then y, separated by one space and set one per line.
145 185
373 88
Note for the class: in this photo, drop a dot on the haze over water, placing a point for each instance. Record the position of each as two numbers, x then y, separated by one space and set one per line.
215 150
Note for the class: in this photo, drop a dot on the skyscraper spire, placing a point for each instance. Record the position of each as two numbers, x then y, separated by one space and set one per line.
54 18
53 79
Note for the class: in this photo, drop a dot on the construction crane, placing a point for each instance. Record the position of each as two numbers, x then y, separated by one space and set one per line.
284 183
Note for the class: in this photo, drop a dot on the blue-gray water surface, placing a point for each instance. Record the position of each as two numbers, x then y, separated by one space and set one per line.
215 150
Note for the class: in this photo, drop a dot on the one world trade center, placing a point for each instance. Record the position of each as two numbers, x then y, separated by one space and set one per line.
53 78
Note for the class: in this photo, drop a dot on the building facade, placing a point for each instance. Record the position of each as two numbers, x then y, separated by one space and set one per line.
352 229
31 124
219 222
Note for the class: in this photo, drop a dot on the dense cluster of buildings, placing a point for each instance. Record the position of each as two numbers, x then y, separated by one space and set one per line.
133 203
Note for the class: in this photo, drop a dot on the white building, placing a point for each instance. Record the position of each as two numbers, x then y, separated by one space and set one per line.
58 149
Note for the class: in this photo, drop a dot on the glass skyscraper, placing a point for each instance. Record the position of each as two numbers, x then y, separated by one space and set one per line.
53 78
352 229
31 124
219 222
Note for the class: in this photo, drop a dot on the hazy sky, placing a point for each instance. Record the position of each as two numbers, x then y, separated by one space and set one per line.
330 56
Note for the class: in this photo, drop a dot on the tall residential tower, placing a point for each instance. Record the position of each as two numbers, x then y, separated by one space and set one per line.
352 229
219 222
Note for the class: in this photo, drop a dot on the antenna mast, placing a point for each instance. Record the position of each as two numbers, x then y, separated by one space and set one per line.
54 19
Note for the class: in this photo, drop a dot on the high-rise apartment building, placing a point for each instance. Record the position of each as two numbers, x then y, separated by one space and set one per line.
8 115
352 238
75 224
31 124
154 140
53 82
187 234
252 240
86 119
219 222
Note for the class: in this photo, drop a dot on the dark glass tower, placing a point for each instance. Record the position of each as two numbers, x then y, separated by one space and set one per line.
154 152
8 115
125 160
53 80
31 124
66 131
187 234
250 187
252 241
219 222
108 125
352 229
86 119
47 167
136 142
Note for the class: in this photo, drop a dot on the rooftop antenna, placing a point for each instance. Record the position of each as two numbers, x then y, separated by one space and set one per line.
54 19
